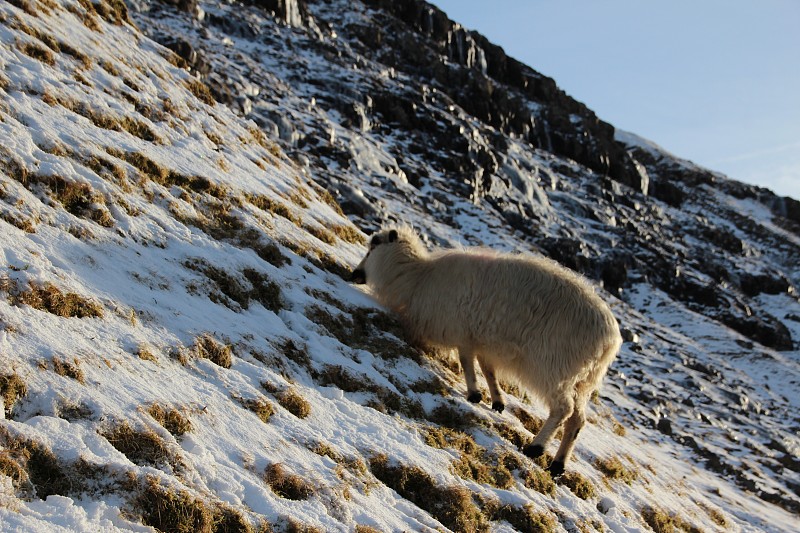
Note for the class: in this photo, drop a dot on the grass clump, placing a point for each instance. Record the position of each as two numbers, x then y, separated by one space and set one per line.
69 369
237 294
613 469
260 406
49 298
453 505
33 468
201 91
12 388
38 53
207 347
522 518
661 522
141 447
540 481
167 509
275 207
579 485
286 484
294 403
171 419
474 462
365 329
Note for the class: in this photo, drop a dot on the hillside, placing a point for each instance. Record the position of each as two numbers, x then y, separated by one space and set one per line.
184 188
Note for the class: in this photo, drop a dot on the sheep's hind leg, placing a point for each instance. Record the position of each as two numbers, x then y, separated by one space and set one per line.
467 357
572 427
494 387
559 412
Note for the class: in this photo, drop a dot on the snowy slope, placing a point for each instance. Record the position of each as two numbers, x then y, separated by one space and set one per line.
180 348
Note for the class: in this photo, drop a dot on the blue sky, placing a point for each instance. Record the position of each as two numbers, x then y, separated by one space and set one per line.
713 81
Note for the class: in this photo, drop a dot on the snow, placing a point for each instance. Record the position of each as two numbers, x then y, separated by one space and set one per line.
140 271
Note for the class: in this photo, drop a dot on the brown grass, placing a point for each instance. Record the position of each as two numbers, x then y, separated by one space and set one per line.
171 419
294 403
474 462
169 509
522 518
207 347
661 522
613 469
49 298
33 468
201 91
579 485
69 369
141 447
38 53
452 505
286 484
12 388
260 406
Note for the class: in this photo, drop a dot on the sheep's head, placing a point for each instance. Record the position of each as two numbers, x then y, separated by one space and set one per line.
388 249
359 275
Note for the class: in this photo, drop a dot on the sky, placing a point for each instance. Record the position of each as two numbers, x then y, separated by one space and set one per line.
713 81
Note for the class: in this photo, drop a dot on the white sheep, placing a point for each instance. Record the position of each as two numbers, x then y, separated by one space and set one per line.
524 318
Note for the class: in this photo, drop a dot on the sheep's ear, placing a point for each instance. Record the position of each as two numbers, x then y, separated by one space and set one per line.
392 235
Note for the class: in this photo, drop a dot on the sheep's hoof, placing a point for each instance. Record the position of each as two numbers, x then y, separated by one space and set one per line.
556 469
475 397
533 450
498 406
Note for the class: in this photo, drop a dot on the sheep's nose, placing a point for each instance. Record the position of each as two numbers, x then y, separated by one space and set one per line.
358 276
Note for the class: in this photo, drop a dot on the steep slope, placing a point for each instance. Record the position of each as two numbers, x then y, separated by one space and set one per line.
179 346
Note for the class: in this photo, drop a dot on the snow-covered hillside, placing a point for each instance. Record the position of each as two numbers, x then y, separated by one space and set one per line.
181 350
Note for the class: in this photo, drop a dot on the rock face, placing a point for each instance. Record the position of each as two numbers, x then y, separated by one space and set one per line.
402 114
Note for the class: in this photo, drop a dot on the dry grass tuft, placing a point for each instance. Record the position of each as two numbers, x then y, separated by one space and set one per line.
12 388
207 347
522 518
452 505
171 419
286 484
294 403
168 510
201 91
260 406
33 468
474 462
141 447
661 522
69 369
613 469
540 481
49 298
579 485
38 53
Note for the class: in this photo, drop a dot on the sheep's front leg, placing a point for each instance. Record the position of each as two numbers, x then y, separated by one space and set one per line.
494 387
467 357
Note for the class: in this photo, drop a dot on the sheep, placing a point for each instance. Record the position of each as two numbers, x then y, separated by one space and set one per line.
524 318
